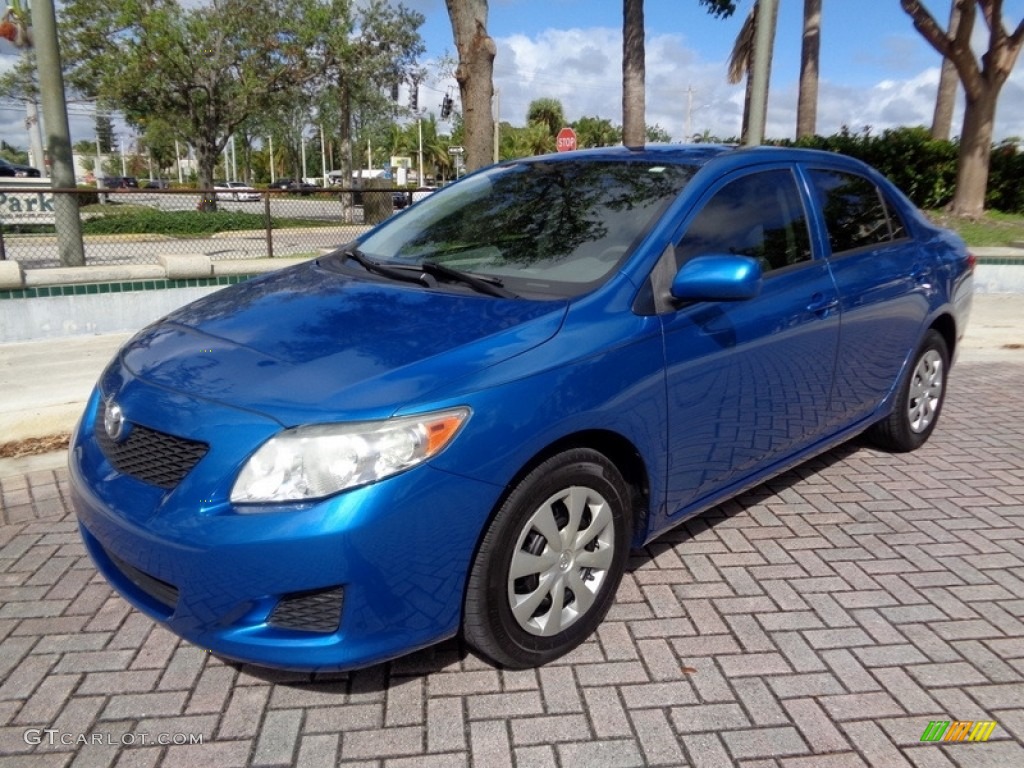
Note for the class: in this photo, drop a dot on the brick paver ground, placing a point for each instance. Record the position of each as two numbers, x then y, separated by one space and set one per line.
822 620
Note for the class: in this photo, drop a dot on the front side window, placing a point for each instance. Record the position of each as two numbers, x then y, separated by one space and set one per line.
554 228
856 213
758 215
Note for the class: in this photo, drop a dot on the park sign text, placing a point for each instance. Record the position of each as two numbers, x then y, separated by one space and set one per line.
33 205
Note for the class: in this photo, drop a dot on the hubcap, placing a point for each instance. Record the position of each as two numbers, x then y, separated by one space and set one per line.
925 391
561 560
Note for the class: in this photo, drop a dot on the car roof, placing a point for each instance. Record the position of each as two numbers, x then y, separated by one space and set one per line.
724 156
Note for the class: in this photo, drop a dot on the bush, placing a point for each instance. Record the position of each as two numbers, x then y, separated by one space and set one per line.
1005 174
184 223
925 169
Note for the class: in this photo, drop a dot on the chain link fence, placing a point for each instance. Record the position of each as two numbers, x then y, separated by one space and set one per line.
136 226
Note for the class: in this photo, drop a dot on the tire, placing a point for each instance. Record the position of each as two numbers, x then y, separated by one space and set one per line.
521 573
919 401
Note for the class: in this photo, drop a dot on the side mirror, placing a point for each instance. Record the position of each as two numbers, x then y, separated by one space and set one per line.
718 277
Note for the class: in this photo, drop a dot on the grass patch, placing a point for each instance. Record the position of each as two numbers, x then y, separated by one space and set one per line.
992 229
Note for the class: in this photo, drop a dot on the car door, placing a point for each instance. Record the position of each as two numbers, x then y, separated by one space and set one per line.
882 283
748 382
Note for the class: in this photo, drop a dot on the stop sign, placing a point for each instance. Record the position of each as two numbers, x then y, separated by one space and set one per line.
566 140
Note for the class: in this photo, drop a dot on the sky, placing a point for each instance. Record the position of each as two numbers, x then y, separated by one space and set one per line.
876 70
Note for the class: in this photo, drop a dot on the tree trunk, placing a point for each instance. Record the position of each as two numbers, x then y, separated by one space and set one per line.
207 155
982 79
634 126
942 120
975 152
474 73
807 104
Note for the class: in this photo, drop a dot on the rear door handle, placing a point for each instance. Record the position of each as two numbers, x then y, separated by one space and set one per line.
822 305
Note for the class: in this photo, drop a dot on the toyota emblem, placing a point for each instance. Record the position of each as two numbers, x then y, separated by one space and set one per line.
113 420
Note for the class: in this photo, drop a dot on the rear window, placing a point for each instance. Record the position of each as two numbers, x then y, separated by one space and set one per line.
857 214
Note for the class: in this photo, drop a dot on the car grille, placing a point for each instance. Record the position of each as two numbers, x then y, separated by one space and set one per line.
164 593
149 455
318 611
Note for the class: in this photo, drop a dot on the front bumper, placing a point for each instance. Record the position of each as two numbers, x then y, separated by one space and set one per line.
390 558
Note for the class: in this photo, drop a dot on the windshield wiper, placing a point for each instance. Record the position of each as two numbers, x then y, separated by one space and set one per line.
490 286
383 270
426 273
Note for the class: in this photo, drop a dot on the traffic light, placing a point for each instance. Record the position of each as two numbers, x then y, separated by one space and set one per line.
414 97
446 107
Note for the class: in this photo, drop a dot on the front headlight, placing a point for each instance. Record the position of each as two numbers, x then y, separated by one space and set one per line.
314 461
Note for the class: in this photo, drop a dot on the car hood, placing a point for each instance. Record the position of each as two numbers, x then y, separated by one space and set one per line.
310 344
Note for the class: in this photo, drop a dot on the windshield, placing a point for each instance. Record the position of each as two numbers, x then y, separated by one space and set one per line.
554 227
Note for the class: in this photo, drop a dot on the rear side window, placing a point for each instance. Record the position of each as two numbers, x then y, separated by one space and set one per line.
759 215
856 212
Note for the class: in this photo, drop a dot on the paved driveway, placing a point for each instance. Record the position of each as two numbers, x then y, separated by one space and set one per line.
822 620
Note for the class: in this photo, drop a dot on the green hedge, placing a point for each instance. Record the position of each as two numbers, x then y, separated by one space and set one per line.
184 223
925 169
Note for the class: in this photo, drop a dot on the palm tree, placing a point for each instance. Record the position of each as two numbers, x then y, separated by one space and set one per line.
807 102
633 73
741 61
547 111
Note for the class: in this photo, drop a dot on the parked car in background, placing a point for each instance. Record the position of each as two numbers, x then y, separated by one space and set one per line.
157 184
120 182
294 186
400 198
423 192
17 170
238 191
463 421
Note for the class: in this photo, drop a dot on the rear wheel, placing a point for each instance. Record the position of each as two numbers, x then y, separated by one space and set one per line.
919 401
550 562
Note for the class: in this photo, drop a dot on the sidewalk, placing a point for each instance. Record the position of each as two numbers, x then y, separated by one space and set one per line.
45 383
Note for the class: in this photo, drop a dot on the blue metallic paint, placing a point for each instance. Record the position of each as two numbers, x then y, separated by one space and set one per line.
713 398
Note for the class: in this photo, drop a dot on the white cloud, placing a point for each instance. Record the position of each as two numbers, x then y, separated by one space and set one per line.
582 69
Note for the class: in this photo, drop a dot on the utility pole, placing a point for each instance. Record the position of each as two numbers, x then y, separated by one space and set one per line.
58 134
689 115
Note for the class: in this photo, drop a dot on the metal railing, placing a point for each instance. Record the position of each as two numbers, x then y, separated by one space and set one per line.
283 223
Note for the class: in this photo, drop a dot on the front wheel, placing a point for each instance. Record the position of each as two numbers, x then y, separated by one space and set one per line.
548 566
919 401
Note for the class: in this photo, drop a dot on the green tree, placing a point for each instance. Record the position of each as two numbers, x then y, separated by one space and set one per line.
657 135
104 130
204 69
357 51
547 112
596 132
983 79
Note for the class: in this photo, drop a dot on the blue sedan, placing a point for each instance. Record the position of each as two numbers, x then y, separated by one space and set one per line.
462 422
